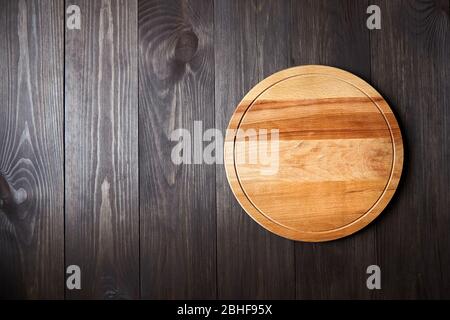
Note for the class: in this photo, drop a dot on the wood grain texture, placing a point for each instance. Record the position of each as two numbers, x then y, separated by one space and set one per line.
410 56
31 150
176 81
198 58
251 42
334 163
102 200
334 33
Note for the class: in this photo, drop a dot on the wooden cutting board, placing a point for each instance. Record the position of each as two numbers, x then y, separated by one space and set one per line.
313 153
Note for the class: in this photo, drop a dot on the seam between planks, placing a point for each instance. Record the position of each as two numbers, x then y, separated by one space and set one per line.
138 148
64 147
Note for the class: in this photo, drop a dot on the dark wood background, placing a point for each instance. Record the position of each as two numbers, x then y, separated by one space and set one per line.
85 170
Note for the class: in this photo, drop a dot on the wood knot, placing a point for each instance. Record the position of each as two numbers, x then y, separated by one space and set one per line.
16 204
186 46
10 198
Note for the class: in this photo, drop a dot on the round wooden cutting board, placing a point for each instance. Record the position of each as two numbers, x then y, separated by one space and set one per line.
313 153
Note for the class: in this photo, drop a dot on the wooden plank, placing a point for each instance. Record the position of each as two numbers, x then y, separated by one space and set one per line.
410 56
102 200
31 150
333 33
176 77
251 42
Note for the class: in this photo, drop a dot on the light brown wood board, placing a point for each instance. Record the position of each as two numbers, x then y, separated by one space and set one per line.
313 153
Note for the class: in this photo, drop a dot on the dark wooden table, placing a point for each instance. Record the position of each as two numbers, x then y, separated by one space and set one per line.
86 176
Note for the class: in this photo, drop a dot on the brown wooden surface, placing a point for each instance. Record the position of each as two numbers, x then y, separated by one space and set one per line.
31 150
334 163
101 141
176 77
197 60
